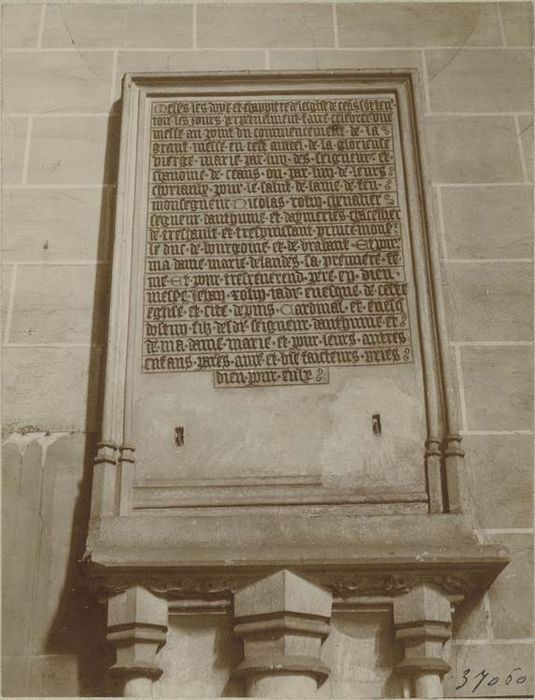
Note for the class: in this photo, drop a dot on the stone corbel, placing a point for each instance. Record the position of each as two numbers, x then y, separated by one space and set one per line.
137 626
422 622
283 620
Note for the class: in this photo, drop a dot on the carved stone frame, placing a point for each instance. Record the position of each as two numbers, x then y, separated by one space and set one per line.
186 557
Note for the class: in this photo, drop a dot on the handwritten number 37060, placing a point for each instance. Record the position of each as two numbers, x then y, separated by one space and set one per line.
513 678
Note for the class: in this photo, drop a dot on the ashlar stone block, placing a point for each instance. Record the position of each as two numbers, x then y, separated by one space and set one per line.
73 81
485 80
492 222
264 25
113 25
20 25
517 19
466 149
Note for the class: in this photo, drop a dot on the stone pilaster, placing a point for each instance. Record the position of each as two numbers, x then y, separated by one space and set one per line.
422 621
454 462
283 620
137 626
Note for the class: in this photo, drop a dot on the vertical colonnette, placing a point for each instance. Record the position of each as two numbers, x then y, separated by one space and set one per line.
422 623
283 620
137 627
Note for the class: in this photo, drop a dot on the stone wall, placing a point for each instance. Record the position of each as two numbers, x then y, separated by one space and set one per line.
61 74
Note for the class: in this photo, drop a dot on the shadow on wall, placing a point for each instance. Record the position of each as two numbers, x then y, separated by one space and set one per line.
79 625
198 658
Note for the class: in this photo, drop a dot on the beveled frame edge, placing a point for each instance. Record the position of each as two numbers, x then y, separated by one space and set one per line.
112 492
391 556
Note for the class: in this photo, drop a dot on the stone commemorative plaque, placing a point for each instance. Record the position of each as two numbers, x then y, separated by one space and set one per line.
271 284
274 239
278 420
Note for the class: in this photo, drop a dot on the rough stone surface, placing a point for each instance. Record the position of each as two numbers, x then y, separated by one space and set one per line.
20 26
503 372
500 474
327 59
54 304
471 620
263 25
486 80
14 130
75 81
208 639
490 295
498 670
434 24
525 128
52 388
46 503
7 272
489 222
510 620
45 225
113 26
60 145
517 18
468 149
360 651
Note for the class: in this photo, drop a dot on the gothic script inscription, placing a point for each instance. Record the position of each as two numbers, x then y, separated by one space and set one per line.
274 239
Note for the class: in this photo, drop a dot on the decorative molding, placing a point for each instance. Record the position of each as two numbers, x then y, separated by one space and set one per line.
266 492
127 453
433 470
204 589
106 453
117 426
454 468
199 588
397 584
281 664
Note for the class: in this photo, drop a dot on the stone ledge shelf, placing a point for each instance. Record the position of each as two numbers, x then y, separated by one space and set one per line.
281 577
350 554
283 616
